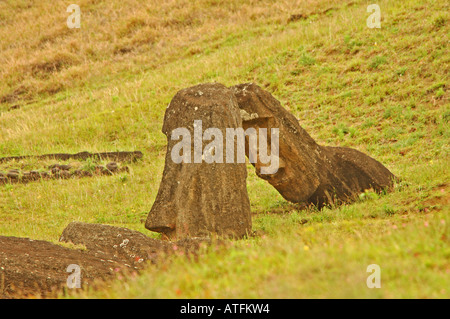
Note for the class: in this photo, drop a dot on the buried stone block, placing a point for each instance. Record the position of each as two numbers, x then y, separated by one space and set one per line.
128 246
32 268
201 193
307 171
13 176
116 243
112 167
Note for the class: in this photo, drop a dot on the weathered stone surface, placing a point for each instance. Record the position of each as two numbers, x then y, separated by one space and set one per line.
198 199
59 171
62 174
308 172
112 166
124 245
60 167
65 167
35 267
30 267
117 243
13 176
82 173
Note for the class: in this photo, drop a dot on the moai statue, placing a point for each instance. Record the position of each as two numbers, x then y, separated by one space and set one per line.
307 172
201 194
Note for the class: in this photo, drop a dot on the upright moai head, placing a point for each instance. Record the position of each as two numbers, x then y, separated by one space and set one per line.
201 193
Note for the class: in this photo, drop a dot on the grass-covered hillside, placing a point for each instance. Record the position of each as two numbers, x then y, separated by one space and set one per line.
105 87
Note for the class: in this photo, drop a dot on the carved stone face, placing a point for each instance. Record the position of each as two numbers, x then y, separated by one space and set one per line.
296 178
307 171
196 198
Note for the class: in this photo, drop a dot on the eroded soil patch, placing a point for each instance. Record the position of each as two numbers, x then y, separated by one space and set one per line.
39 268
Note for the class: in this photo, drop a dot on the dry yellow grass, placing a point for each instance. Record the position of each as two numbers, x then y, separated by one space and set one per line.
41 55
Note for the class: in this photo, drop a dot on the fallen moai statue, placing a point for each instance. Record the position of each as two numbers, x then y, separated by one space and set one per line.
307 171
40 268
123 245
36 267
200 194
